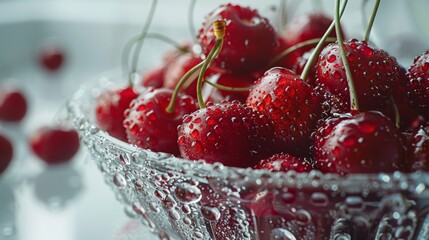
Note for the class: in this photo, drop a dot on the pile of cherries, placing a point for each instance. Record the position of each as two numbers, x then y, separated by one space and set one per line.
53 144
261 113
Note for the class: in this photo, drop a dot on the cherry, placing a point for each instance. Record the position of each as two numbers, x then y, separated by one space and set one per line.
299 65
358 142
419 149
250 40
178 67
54 144
51 58
150 126
110 109
283 162
303 28
153 78
374 73
418 84
13 104
291 104
230 133
234 81
6 152
408 117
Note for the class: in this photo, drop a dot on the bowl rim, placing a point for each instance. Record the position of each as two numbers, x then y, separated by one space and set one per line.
214 173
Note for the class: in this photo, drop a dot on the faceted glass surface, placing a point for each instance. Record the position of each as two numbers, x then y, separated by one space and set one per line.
182 199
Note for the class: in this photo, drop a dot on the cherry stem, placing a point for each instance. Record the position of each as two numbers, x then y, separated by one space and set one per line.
397 114
219 31
213 53
170 107
319 46
364 17
140 43
352 91
227 88
297 46
191 19
371 20
157 36
282 14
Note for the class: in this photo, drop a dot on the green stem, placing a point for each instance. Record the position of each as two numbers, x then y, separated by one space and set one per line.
319 46
397 113
170 107
213 53
191 19
226 88
282 13
140 37
140 43
353 96
371 20
296 47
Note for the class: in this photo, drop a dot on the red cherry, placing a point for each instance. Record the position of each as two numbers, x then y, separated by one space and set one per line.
51 58
408 117
283 162
291 104
153 78
178 67
419 149
374 74
55 145
303 28
299 66
249 42
13 104
150 126
365 142
230 133
234 81
418 84
110 108
6 152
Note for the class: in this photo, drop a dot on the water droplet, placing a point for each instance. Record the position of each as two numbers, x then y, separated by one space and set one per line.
188 193
303 216
319 199
169 203
187 221
159 194
354 202
210 213
198 235
119 180
174 215
331 58
348 141
186 209
154 207
287 198
138 158
197 146
281 234
336 75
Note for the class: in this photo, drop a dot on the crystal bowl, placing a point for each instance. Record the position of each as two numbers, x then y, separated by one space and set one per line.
182 199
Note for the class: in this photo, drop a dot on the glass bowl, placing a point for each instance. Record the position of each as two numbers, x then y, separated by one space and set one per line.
182 199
